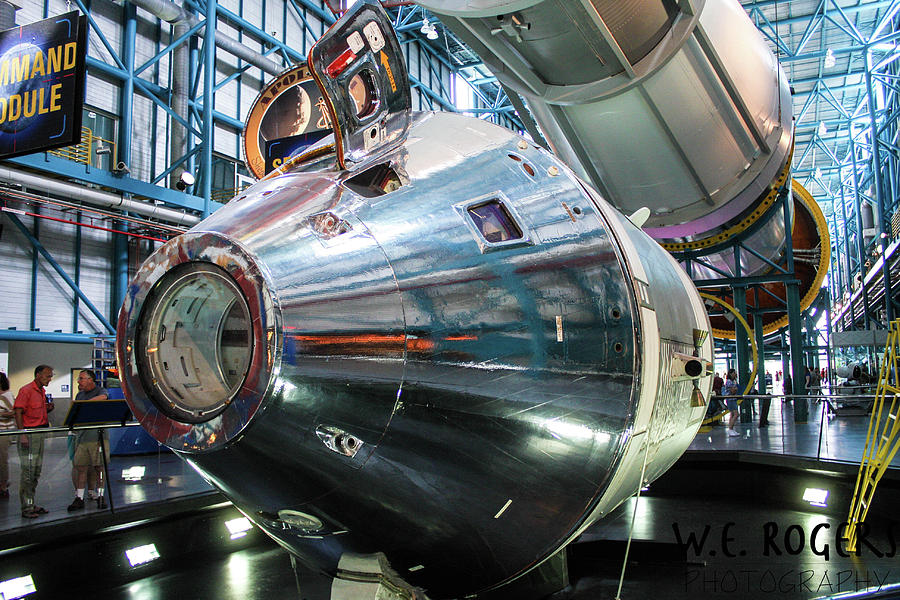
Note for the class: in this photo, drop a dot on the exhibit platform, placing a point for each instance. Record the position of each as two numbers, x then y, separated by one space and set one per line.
727 521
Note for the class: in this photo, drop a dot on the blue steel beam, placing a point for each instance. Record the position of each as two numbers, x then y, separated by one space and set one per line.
879 192
149 90
119 250
39 248
175 164
99 34
14 335
168 49
754 7
127 185
95 65
209 81
35 261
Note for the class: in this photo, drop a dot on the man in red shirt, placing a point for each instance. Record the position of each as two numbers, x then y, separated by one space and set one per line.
31 408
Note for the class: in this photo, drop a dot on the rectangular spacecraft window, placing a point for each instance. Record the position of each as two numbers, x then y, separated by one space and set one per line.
494 222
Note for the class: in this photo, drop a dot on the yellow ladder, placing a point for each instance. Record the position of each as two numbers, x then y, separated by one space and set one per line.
883 438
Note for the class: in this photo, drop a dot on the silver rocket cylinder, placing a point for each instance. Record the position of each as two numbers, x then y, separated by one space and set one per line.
455 358
677 106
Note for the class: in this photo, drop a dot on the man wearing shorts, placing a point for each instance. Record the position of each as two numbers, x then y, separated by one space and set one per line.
87 447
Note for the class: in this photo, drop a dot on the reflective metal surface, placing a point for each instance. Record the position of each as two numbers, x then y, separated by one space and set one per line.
359 66
459 356
463 410
677 106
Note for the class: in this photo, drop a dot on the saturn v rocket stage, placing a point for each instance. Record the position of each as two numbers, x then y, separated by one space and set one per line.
676 105
423 341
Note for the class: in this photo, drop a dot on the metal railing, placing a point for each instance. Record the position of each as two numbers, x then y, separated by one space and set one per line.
224 195
795 436
91 150
154 474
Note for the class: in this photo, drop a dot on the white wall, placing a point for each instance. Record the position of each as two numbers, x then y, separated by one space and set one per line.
54 306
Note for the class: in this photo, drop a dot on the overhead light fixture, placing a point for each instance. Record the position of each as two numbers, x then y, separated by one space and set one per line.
141 555
238 527
185 181
830 61
428 30
17 588
822 130
815 496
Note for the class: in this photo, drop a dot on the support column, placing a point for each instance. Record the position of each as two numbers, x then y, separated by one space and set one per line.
762 387
209 65
35 264
761 376
829 356
884 224
860 242
126 98
798 370
742 349
848 278
120 272
119 258
785 361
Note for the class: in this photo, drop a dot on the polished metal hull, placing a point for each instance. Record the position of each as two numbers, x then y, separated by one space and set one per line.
678 106
412 387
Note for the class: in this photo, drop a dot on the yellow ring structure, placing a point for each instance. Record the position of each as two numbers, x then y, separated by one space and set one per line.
752 218
799 192
746 325
824 256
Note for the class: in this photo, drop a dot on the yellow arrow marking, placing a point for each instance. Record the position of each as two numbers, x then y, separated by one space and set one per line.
387 67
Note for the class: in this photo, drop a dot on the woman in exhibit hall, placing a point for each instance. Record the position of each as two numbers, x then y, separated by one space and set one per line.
731 392
7 422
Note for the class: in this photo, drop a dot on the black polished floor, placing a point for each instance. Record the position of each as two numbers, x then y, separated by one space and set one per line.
735 550
726 522
747 551
829 438
260 572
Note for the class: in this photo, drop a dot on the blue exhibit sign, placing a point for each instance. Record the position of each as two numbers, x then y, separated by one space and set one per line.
279 150
42 80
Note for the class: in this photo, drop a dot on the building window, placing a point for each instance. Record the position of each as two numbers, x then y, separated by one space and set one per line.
98 146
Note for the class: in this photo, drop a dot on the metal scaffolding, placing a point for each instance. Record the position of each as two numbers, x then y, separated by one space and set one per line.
839 55
842 62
